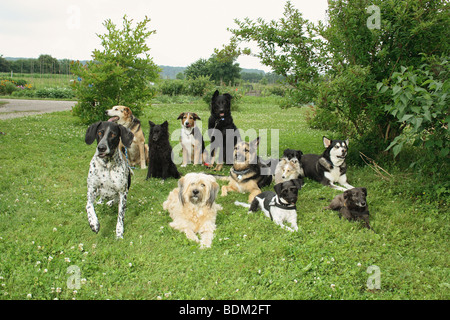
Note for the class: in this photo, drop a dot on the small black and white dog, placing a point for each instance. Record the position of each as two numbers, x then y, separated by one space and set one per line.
222 130
329 167
109 174
279 206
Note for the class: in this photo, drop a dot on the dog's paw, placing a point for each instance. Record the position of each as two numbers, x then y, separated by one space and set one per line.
95 226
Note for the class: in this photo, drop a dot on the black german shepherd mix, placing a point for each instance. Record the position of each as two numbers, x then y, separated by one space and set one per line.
220 124
329 167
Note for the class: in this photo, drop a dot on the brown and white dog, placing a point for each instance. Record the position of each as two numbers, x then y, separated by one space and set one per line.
191 139
137 154
192 207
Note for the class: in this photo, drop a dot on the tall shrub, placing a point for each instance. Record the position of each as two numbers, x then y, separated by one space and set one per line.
120 73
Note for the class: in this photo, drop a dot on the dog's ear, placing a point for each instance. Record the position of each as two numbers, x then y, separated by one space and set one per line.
180 116
196 117
326 142
278 188
228 96
165 124
212 193
126 136
298 154
298 183
127 111
151 123
91 132
346 142
180 190
364 190
347 194
254 143
215 95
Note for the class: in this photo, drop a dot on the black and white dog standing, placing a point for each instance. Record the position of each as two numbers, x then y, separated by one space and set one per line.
109 174
280 206
329 167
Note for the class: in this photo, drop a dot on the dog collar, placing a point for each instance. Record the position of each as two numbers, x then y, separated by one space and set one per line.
277 203
240 173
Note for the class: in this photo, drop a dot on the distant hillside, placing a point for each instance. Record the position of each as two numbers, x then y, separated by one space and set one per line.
169 72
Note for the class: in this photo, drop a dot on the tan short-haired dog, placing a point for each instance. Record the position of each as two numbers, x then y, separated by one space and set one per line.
192 207
137 153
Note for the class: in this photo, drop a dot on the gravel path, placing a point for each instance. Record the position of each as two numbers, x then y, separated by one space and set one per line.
15 108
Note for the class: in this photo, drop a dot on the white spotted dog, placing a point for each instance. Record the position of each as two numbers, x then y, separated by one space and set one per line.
109 174
329 167
280 206
191 139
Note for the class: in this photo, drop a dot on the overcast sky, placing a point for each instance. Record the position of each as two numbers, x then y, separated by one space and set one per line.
185 30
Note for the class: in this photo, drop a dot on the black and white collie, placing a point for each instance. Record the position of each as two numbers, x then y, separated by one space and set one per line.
329 167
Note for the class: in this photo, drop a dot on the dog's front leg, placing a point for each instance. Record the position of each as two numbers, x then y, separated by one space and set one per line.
332 185
343 181
121 215
92 217
207 235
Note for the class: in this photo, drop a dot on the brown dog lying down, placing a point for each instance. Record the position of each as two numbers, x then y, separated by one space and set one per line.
352 205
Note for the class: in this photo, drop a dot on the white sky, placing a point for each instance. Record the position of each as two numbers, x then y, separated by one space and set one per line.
185 30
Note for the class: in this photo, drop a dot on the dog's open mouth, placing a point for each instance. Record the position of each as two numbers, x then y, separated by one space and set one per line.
114 119
222 114
194 199
103 155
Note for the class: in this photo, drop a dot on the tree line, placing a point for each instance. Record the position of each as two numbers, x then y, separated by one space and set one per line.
43 64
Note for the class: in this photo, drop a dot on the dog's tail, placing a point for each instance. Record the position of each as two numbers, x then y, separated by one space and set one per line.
221 178
242 204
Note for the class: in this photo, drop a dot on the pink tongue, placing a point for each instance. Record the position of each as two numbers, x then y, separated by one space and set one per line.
113 119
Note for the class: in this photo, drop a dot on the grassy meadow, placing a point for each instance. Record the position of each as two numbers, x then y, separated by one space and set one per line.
44 230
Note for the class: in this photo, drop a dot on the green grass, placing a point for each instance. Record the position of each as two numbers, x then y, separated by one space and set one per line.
44 230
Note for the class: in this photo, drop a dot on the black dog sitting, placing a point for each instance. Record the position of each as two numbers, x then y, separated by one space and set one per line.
279 206
160 153
352 205
220 124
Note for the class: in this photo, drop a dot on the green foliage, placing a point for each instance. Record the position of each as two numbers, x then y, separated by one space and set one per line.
196 87
288 46
119 74
217 70
420 104
337 65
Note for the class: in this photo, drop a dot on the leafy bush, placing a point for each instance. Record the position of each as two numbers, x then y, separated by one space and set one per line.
172 87
7 87
120 74
420 104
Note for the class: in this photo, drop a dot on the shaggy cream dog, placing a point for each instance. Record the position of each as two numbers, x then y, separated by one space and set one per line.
192 207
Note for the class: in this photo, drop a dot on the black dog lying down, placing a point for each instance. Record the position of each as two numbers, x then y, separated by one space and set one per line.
352 205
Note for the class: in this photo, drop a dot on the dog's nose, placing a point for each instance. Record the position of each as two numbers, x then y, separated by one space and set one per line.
101 148
195 191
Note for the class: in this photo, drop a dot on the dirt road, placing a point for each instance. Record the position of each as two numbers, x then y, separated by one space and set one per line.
15 108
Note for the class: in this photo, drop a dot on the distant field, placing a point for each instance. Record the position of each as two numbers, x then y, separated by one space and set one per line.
39 81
